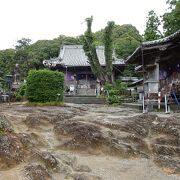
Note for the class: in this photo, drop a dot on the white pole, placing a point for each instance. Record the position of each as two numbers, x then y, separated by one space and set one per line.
159 100
166 105
143 105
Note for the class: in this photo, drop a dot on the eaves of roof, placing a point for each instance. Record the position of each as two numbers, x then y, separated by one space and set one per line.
74 56
156 44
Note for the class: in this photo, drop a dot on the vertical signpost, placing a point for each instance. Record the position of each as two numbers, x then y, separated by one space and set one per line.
9 79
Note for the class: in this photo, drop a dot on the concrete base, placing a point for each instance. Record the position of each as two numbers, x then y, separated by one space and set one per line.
84 100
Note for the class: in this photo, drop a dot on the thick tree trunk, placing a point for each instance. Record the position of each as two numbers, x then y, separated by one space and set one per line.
103 74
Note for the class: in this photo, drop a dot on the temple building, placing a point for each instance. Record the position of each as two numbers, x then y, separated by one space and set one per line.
79 79
159 63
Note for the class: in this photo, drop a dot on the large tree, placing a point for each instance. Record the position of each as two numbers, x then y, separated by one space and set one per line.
89 46
108 48
7 61
31 56
46 49
152 24
171 19
22 43
22 56
126 39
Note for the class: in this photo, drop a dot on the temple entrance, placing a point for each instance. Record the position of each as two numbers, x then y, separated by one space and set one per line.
86 84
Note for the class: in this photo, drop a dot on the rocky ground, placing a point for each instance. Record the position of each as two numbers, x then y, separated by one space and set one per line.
87 142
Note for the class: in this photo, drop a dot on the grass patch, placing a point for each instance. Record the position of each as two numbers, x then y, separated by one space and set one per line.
53 103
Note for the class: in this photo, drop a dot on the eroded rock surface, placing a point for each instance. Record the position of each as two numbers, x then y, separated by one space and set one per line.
139 136
47 158
79 142
36 172
85 177
82 135
11 148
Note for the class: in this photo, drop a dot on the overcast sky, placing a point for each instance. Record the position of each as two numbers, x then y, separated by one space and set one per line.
47 19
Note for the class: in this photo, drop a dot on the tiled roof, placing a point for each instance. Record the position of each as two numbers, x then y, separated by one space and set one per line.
74 55
172 37
155 44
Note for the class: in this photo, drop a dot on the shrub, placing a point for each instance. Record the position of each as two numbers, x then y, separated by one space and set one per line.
115 91
45 86
21 92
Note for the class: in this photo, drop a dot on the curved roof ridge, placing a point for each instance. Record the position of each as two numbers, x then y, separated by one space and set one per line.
162 40
74 55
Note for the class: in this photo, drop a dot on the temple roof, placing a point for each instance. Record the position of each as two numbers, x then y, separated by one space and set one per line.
156 46
74 56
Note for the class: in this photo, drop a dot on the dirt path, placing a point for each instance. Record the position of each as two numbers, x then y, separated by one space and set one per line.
85 142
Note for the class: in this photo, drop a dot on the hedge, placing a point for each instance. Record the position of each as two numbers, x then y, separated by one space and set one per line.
45 86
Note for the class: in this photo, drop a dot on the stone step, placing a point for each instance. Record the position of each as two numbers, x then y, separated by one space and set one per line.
84 100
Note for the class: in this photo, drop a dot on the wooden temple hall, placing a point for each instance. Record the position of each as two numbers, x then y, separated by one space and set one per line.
159 63
79 79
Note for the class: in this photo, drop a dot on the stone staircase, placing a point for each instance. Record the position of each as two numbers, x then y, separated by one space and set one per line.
84 99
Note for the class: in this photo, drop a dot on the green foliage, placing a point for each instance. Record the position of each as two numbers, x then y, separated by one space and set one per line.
90 51
108 45
21 92
126 30
129 71
23 43
152 24
7 61
22 55
98 37
45 49
45 86
125 46
115 91
30 56
171 19
121 86
125 39
89 46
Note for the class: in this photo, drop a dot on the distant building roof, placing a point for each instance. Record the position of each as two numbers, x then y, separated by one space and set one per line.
74 56
128 79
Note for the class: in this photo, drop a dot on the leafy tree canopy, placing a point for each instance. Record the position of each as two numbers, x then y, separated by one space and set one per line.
171 19
152 24
23 43
7 61
125 39
30 56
